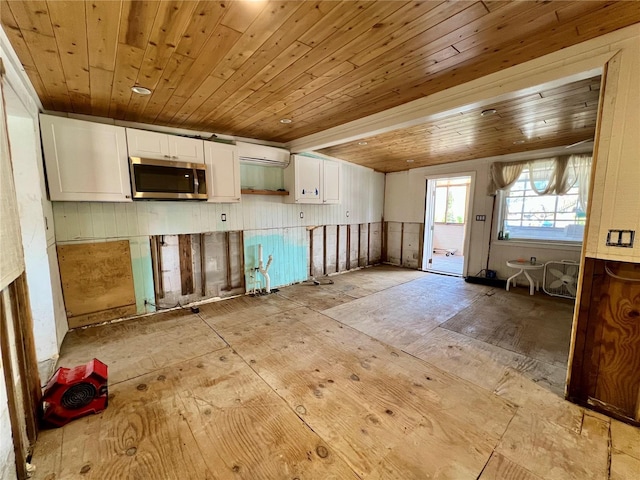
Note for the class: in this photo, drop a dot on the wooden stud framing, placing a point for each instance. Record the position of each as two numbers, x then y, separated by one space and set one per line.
401 241
324 249
359 239
310 253
18 448
421 245
241 241
203 265
337 248
348 263
26 353
186 267
368 243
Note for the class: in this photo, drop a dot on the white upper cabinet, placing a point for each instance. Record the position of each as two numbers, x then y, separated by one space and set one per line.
303 179
223 170
313 180
331 181
85 161
145 144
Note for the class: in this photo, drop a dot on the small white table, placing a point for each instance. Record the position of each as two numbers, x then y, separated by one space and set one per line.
524 267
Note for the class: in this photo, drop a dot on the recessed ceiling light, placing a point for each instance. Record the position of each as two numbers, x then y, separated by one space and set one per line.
362 143
487 112
286 120
410 161
519 142
141 90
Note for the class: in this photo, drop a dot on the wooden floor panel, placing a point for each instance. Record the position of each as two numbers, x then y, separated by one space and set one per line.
400 314
300 385
537 326
142 345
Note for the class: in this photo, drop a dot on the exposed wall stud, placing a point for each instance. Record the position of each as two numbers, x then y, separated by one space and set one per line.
324 249
348 262
401 241
203 266
368 243
186 266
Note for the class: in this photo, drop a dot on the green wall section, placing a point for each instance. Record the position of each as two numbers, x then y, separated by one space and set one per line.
142 273
290 251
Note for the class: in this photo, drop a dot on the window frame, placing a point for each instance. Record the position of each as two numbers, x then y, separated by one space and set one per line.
503 213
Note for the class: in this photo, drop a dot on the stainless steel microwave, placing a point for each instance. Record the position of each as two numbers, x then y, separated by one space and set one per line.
168 180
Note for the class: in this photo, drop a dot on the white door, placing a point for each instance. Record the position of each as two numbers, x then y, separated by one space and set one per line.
427 257
446 220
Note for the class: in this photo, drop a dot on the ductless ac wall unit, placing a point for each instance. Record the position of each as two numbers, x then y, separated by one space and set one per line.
252 153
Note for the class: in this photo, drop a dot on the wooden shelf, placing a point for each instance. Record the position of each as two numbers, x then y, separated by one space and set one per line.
264 192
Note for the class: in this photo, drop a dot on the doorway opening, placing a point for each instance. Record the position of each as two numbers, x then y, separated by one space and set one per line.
446 220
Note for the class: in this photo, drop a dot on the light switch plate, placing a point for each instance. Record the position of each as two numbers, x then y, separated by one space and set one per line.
621 238
481 218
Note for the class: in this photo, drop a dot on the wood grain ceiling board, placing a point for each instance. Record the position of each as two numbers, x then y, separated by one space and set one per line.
238 67
548 118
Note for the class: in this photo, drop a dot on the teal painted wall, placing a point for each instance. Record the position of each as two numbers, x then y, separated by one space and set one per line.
290 250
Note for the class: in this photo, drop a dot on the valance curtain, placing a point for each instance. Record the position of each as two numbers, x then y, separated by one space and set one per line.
11 257
548 176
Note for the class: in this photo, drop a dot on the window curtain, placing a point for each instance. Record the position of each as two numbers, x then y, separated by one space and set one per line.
548 176
503 175
11 256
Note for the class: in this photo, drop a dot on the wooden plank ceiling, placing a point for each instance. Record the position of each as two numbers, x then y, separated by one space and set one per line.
240 67
548 118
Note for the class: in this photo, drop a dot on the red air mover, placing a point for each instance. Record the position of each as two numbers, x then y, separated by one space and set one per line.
75 392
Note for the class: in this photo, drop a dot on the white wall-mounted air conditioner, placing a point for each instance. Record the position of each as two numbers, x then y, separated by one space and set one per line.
253 153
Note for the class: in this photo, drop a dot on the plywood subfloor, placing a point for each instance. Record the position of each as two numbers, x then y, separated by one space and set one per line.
296 385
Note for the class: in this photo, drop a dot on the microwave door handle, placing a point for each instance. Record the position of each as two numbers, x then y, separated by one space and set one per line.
196 184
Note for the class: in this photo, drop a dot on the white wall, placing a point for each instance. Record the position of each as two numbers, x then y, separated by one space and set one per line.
263 218
362 200
36 238
405 202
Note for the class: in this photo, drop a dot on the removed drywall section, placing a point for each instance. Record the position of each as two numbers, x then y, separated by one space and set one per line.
178 267
290 250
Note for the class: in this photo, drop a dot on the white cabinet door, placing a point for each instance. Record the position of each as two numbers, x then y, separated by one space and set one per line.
307 185
331 182
183 149
85 161
145 144
223 172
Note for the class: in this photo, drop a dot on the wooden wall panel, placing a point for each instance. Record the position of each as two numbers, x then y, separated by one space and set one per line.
605 368
97 281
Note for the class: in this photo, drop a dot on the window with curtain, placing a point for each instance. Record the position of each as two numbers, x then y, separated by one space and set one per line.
547 200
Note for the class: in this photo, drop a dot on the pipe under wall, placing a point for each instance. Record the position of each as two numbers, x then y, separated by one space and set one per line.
264 270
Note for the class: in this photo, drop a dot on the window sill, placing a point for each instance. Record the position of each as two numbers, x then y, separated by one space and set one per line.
541 244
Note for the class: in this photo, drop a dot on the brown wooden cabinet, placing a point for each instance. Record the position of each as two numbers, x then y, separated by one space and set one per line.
605 367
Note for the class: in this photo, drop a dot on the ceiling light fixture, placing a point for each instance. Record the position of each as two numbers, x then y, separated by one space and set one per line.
519 142
141 90
362 143
285 120
410 161
488 111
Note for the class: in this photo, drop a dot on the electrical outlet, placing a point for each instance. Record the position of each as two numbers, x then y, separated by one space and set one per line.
347 213
481 218
621 238
223 217
301 214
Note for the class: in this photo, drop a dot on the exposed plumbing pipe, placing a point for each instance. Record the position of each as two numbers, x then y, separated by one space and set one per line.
264 270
